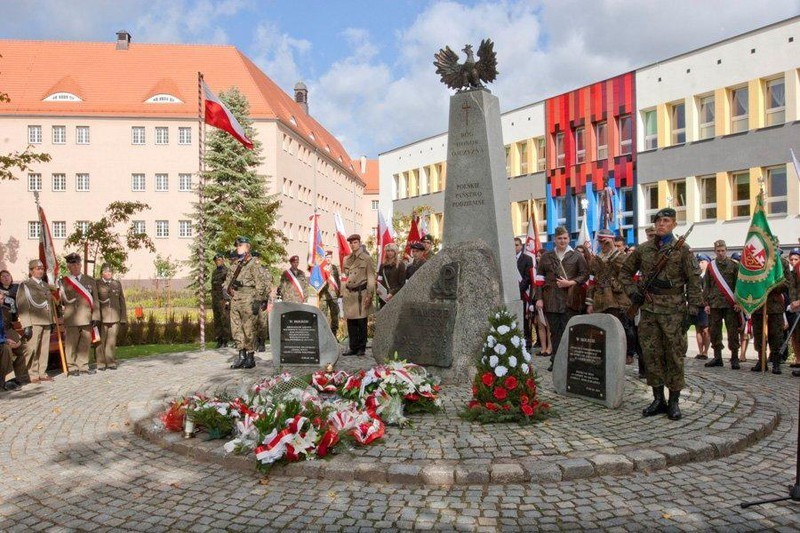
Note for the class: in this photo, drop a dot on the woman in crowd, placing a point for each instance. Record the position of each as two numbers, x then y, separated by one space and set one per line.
391 274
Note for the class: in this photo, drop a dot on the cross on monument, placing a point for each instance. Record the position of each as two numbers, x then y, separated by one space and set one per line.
466 107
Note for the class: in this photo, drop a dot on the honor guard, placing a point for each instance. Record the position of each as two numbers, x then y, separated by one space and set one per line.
81 315
36 310
246 288
719 288
113 312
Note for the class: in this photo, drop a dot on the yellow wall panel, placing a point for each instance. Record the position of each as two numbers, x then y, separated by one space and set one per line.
663 193
722 112
755 113
792 95
662 121
756 176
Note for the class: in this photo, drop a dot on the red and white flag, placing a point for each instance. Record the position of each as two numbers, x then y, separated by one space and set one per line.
532 247
219 116
341 240
47 252
385 236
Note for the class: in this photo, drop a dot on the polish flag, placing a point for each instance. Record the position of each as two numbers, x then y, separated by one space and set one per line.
341 240
532 247
219 116
47 251
414 235
385 236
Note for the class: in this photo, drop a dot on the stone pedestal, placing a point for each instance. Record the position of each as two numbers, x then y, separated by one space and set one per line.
300 336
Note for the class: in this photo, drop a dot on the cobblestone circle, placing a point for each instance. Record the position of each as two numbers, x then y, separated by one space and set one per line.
70 460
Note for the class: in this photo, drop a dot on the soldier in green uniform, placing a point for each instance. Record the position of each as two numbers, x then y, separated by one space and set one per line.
675 292
293 286
246 288
427 242
36 311
262 321
330 293
219 302
719 287
776 306
113 312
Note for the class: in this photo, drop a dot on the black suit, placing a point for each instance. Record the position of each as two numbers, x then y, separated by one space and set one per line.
525 265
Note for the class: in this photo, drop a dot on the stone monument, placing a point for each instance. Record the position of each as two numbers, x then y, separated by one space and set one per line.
300 336
590 362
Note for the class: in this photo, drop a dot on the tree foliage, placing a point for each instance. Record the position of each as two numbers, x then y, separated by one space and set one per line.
105 242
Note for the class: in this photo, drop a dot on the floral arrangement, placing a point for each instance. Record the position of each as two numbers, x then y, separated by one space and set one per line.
504 389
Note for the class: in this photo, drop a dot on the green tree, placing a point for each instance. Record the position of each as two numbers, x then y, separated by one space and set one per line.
104 241
235 200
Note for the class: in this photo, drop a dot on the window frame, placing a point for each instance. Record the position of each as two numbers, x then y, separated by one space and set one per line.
769 198
650 139
707 207
54 179
625 145
183 232
134 177
59 229
61 138
161 135
772 112
677 134
34 229
182 182
649 208
580 145
738 120
34 134
162 187
678 204
184 132
34 182
523 157
138 135
710 127
601 150
79 134
541 154
162 229
79 177
558 144
141 224
737 202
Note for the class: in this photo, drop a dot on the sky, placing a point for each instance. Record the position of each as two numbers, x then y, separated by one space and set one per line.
368 64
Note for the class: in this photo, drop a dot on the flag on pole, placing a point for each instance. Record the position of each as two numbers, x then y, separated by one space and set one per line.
532 247
414 234
385 236
47 252
583 236
219 116
316 255
760 269
341 240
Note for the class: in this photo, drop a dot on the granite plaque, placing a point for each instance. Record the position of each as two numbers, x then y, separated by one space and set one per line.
299 338
586 361
424 333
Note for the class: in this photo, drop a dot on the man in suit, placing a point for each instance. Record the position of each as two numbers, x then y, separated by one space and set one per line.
524 266
36 311
357 294
113 312
81 315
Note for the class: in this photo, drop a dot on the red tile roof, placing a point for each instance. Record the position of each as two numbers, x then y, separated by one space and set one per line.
370 177
113 82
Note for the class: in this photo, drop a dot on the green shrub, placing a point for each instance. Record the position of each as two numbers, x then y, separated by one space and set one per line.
151 331
171 333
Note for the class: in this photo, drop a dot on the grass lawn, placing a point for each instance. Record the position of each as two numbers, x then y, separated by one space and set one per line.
144 350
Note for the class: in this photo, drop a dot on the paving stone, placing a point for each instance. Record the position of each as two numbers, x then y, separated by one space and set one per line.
647 460
611 464
507 473
575 469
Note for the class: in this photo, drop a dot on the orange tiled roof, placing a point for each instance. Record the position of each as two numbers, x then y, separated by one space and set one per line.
113 82
371 177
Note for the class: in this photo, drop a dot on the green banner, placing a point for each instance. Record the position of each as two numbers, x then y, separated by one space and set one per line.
760 269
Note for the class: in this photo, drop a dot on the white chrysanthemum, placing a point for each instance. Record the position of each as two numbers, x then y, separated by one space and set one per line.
497 316
500 349
502 330
500 371
515 340
526 355
491 341
493 360
512 362
525 368
513 325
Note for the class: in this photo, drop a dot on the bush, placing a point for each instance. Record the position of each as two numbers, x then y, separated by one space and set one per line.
151 330
171 333
136 333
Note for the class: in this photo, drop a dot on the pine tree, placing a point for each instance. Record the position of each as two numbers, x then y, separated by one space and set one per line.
235 195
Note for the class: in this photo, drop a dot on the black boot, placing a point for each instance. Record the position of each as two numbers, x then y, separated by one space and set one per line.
673 411
249 360
776 364
240 357
220 343
659 406
717 361
757 367
735 361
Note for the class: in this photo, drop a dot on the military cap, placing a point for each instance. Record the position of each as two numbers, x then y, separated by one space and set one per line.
354 237
720 243
428 238
219 255
703 257
105 266
73 258
736 256
294 258
35 263
667 212
605 234
241 239
417 246
794 251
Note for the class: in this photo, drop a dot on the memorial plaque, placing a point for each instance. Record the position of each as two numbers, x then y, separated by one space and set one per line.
424 333
586 361
299 338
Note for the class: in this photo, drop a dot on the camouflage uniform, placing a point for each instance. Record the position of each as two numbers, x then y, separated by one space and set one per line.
222 316
249 291
775 308
329 299
287 289
722 310
606 295
262 321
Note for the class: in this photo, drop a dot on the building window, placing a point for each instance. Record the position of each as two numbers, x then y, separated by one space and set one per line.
739 109
34 229
560 208
162 135
375 205
82 134
162 182
59 134
775 102
59 182
541 155
708 197
184 135
625 134
508 160
82 182
650 201
706 117
184 228
34 135
559 143
137 135
59 229
541 219
34 182
650 130
601 135
82 226
139 227
137 182
677 200
740 189
580 146
523 157
184 182
162 228
626 207
678 123
776 190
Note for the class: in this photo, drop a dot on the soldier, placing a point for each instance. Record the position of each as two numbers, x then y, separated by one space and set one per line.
262 321
427 242
16 356
219 303
606 295
357 294
662 330
329 294
776 306
619 243
418 259
36 311
113 312
245 285
719 287
81 315
524 267
293 283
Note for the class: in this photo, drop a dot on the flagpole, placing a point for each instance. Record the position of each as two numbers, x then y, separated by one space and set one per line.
201 248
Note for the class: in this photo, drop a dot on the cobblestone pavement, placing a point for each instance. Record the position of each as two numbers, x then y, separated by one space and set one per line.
69 461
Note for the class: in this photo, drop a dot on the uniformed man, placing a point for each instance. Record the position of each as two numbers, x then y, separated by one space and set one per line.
36 311
719 289
329 294
81 315
776 306
417 259
662 330
219 303
262 321
113 312
606 294
293 283
245 286
357 294
16 349
427 242
524 268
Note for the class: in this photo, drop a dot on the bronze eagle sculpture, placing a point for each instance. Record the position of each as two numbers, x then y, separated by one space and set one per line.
471 73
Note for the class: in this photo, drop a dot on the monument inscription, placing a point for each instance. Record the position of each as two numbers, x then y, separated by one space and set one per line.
299 338
586 361
424 333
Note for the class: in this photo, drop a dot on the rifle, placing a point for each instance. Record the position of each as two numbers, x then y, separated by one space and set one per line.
232 285
657 269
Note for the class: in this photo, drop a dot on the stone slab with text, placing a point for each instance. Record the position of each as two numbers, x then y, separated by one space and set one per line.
300 336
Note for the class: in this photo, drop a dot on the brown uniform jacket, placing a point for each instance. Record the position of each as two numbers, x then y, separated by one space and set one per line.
573 267
393 277
112 302
34 303
77 311
712 294
605 292
359 290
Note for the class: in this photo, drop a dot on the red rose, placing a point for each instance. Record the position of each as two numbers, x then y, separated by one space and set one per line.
473 403
490 406
527 410
524 399
413 397
511 383
487 379
500 393
474 390
531 384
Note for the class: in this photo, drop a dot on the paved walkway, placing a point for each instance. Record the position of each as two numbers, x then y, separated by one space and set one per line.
70 461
